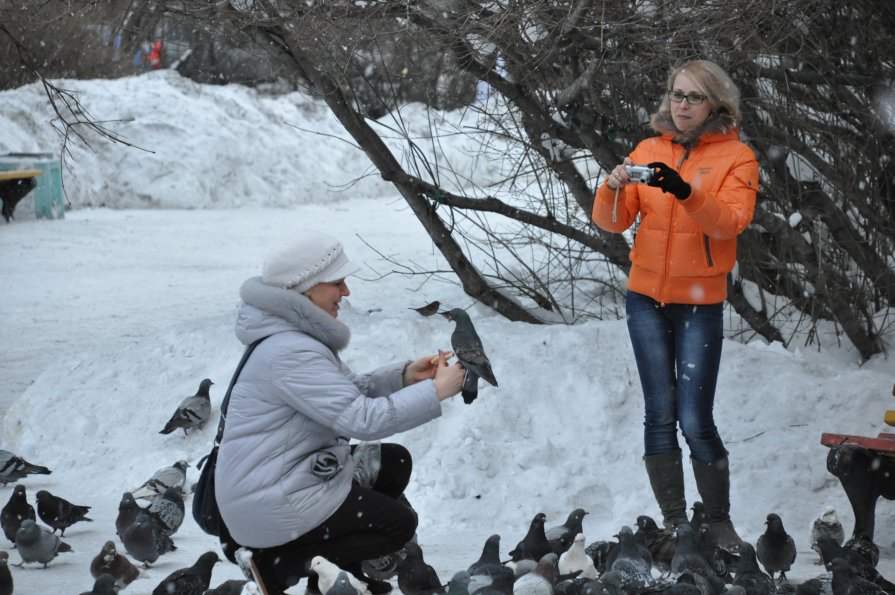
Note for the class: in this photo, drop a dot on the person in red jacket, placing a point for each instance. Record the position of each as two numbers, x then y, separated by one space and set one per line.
155 55
700 196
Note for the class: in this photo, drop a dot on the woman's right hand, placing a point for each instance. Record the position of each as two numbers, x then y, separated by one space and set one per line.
448 379
618 177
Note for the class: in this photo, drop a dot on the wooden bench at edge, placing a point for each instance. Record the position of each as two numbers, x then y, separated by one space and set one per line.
20 174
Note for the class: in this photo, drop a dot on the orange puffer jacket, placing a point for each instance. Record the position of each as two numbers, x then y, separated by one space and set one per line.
683 249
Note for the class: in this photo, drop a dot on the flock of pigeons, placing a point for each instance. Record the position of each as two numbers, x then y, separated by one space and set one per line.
547 561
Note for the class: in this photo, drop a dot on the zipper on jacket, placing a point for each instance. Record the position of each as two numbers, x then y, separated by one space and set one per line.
671 227
708 251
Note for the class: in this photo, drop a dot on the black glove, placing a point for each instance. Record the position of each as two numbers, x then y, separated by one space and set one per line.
668 180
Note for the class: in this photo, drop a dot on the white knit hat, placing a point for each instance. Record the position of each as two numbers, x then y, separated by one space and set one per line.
305 261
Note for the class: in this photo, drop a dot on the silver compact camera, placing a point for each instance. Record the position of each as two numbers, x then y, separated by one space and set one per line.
640 173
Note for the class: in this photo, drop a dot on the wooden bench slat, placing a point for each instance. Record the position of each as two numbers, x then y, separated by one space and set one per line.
20 174
884 443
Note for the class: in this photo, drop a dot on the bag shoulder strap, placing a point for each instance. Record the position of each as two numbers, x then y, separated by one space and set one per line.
226 402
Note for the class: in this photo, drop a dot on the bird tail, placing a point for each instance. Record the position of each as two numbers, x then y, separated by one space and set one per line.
470 388
31 469
64 547
169 427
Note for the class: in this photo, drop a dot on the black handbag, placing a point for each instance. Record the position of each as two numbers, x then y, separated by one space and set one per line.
205 505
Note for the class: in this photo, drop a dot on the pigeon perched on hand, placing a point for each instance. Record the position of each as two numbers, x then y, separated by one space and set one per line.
534 545
169 509
109 561
415 576
16 510
58 512
145 540
468 347
561 536
193 580
775 548
37 544
166 477
6 582
14 468
192 412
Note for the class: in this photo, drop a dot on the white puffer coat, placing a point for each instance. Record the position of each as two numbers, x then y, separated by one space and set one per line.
284 464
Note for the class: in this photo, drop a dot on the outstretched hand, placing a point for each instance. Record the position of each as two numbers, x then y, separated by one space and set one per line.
668 180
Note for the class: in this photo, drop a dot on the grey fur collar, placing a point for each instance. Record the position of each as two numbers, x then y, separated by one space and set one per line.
297 310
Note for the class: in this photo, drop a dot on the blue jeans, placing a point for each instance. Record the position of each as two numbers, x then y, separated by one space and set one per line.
678 352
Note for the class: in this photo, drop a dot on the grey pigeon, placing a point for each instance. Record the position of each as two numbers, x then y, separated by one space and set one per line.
192 412
37 544
468 347
719 559
103 585
577 586
812 586
629 563
534 545
459 583
827 524
539 581
749 576
109 561
698 517
6 582
860 565
847 582
688 558
145 540
415 576
14 468
166 477
16 510
775 548
659 541
127 512
193 580
169 509
58 512
561 536
602 553
342 586
575 560
228 587
489 563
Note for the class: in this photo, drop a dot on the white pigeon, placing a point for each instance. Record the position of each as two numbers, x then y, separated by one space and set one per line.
827 525
575 559
327 573
166 477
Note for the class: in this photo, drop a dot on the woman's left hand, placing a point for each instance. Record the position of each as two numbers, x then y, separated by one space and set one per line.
421 369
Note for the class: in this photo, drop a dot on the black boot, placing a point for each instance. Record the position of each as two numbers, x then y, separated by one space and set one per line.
713 483
666 477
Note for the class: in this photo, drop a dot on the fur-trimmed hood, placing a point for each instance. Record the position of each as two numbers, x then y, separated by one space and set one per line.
716 123
268 310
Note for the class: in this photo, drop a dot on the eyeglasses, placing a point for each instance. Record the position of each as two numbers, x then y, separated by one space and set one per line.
692 98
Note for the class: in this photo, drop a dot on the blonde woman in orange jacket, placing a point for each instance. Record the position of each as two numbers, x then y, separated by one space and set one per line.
701 195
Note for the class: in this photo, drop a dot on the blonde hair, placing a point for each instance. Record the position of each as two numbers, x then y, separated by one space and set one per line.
714 83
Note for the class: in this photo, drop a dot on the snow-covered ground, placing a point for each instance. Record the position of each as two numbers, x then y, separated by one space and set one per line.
112 315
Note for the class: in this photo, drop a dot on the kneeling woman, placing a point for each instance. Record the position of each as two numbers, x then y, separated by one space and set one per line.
284 471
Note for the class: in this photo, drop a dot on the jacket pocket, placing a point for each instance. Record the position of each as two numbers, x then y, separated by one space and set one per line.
325 465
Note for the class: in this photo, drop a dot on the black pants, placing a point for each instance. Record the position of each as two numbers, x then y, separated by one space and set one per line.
372 522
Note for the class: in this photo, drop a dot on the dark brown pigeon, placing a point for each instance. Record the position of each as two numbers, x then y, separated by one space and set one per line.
534 545
109 561
415 576
189 581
